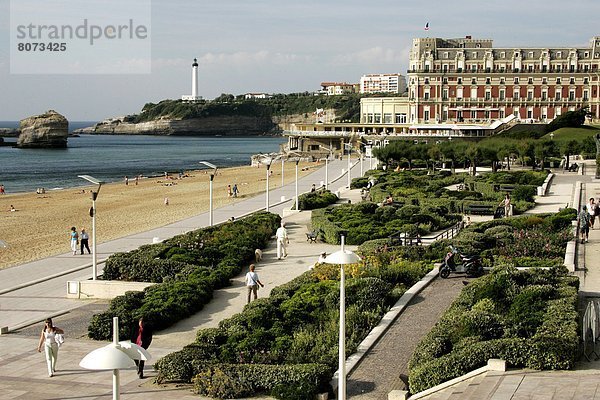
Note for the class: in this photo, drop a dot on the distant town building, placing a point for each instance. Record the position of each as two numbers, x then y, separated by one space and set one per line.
382 83
194 96
250 96
337 88
467 80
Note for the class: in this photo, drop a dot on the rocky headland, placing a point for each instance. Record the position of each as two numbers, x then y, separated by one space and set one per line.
238 125
48 130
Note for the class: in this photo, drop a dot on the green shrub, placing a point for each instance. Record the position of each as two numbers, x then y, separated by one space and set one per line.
317 199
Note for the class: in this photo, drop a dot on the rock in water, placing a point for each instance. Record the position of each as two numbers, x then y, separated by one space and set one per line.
49 130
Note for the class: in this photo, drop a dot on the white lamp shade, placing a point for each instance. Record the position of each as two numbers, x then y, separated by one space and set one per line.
106 358
134 351
342 257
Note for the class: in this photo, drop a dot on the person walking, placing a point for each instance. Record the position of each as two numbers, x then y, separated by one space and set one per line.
84 241
74 240
584 224
252 283
126 180
282 241
235 190
141 334
507 205
50 341
229 191
591 209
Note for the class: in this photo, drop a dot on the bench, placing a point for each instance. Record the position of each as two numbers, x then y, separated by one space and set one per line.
312 236
479 209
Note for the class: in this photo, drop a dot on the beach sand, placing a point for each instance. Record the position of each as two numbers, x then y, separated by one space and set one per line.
40 226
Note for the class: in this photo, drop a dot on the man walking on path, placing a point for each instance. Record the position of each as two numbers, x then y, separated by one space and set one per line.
84 241
252 283
282 241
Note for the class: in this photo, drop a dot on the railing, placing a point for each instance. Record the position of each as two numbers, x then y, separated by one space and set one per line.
591 329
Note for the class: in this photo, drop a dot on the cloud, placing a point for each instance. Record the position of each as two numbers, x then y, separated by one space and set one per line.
373 55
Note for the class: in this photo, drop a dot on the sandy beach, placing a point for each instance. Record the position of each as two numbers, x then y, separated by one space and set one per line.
40 226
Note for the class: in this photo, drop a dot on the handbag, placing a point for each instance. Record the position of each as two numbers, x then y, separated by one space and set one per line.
59 338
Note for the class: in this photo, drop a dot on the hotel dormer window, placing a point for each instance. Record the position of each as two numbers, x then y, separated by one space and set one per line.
558 81
516 80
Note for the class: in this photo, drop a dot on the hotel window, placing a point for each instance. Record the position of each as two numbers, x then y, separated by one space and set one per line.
571 95
516 54
473 67
502 81
459 81
544 94
516 80
558 68
473 81
530 68
586 95
516 112
445 115
502 54
488 81
544 81
377 118
501 113
557 112
473 93
426 95
445 81
530 81
400 118
487 114
530 95
586 68
387 118
473 114
444 94
529 113
459 93
572 81
445 54
503 68
488 95
426 81
558 81
530 54
559 54
557 95
502 94
475 54
544 113
426 115
445 68
586 54
516 94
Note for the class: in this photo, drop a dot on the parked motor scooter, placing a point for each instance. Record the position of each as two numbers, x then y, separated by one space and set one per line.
470 265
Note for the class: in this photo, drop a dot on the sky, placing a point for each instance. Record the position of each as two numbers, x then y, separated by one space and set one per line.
276 46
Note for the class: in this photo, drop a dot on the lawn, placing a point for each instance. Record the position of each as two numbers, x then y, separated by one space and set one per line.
579 134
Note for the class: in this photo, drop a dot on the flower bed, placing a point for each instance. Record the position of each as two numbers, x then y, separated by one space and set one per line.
190 266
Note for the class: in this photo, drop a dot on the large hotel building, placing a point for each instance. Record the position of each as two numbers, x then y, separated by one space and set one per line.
467 80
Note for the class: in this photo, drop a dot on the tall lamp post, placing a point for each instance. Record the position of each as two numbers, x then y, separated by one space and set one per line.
93 215
267 161
297 160
342 257
282 171
349 147
326 166
210 200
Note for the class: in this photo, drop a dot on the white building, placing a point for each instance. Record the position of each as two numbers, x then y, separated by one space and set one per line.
383 83
337 88
250 96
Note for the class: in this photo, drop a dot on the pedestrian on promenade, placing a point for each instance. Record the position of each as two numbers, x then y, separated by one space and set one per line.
74 240
252 283
591 209
584 224
50 339
229 191
84 241
313 188
282 241
235 190
141 334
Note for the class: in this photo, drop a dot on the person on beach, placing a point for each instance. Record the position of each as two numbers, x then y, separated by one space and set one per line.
591 209
229 191
166 201
136 180
126 180
50 341
141 334
282 241
252 283
1 189
84 241
12 208
74 240
235 190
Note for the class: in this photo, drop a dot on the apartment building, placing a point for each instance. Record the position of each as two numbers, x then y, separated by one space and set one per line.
468 80
382 83
337 88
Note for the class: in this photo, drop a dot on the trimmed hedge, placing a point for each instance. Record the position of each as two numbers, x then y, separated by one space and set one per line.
317 199
528 318
186 287
290 382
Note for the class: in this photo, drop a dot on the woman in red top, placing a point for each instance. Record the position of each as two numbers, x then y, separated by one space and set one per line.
142 336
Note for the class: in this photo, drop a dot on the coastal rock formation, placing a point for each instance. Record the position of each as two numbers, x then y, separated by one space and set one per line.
219 125
48 130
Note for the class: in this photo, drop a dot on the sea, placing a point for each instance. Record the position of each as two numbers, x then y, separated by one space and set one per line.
112 157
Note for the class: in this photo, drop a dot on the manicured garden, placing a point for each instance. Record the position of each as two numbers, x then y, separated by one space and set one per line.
187 268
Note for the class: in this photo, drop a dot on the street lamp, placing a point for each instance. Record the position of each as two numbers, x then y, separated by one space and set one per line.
267 161
349 147
342 257
282 171
93 215
297 160
115 356
210 200
326 166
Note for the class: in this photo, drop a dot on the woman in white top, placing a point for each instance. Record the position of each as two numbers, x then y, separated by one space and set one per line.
48 340
591 207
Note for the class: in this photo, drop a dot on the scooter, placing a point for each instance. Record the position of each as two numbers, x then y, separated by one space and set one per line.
470 265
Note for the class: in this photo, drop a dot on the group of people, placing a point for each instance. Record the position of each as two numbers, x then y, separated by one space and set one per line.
52 338
587 218
232 191
77 238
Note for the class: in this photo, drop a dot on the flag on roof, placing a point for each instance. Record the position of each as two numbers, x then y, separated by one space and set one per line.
427 26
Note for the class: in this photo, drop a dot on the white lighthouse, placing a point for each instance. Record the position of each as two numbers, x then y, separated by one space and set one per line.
194 96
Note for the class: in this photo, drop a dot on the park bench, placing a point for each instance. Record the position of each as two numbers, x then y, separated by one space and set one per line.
312 236
479 209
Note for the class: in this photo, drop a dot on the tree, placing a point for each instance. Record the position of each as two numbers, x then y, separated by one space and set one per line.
525 149
448 152
473 153
569 148
435 154
570 119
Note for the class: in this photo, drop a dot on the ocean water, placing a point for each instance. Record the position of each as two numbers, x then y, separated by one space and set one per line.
112 157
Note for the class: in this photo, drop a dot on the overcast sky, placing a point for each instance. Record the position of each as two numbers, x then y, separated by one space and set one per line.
283 46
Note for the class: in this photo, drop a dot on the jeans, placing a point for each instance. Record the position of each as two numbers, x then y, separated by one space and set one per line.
51 351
